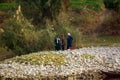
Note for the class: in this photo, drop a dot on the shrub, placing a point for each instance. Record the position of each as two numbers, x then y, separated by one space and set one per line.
22 38
40 10
12 35
111 4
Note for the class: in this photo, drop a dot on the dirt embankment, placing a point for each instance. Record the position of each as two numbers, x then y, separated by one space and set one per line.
2 19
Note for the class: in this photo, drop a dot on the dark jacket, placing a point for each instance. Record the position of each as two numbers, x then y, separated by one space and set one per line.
57 43
69 41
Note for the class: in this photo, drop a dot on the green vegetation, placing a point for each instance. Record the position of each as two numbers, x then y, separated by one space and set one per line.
87 41
90 4
21 37
112 4
33 26
7 5
40 10
74 3
43 58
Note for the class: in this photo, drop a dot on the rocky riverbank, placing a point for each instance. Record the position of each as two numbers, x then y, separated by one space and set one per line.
85 63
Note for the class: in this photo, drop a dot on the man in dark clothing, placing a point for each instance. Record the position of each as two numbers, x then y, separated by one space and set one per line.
62 42
57 43
69 41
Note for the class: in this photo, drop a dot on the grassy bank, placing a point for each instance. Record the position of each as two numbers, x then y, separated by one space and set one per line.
85 41
88 41
4 54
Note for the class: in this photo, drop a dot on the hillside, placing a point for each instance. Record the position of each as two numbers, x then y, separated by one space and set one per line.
93 17
27 27
2 19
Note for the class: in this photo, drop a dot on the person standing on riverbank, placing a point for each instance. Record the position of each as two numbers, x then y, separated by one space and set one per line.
62 42
57 43
69 41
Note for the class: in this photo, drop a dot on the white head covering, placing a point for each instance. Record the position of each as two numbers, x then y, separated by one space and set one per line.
69 34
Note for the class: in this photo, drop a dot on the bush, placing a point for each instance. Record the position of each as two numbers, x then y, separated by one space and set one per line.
38 40
40 10
111 4
23 38
12 35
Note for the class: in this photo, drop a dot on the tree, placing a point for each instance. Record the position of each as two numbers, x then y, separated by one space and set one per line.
40 10
112 4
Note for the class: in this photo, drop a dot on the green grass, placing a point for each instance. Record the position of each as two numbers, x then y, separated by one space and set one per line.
94 5
7 5
74 3
87 41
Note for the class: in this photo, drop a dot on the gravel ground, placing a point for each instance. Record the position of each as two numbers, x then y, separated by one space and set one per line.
78 61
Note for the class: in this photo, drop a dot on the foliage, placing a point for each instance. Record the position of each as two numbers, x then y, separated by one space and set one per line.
48 20
21 37
12 36
40 10
38 40
90 40
7 5
112 4
90 4
42 58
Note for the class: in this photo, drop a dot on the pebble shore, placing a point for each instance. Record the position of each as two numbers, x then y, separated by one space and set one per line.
95 59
